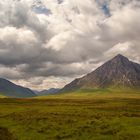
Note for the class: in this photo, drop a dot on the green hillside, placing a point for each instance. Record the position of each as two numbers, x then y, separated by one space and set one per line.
97 93
2 96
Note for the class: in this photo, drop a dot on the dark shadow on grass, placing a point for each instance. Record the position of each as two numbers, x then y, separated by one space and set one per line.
5 134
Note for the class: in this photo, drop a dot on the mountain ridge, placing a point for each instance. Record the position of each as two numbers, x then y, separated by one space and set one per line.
50 91
10 89
117 72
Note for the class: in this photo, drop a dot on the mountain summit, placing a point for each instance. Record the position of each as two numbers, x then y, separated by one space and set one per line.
117 72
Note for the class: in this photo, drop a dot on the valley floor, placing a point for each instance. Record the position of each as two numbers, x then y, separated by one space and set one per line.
105 118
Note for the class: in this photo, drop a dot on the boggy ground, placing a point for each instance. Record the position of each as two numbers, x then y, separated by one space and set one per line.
105 118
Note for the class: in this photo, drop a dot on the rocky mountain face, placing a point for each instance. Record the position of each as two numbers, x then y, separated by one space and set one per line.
10 89
118 72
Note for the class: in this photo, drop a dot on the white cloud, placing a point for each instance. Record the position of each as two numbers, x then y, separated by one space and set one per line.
19 36
120 48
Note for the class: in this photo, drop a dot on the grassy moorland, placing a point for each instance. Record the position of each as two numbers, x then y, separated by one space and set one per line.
81 116
2 96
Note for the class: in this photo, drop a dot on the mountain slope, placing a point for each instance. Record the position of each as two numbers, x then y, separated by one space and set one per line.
9 89
49 91
118 72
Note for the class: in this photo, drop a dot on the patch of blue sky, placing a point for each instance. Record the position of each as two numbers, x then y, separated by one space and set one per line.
42 10
39 8
105 9
104 6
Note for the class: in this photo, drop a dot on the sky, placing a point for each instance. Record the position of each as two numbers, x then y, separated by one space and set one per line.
48 43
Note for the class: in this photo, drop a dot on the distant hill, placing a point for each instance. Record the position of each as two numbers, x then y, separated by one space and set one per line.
49 91
117 72
10 89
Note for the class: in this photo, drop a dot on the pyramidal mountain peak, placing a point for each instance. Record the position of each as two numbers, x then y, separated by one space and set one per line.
117 72
119 57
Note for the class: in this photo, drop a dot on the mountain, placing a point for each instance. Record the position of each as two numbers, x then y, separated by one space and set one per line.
10 89
49 91
117 72
36 92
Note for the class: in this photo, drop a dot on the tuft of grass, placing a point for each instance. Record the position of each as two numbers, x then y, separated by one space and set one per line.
5 134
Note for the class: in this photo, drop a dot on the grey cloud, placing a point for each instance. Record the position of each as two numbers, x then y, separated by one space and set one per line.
71 41
50 69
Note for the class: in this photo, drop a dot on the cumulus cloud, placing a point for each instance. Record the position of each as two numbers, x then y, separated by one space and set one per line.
47 43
